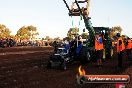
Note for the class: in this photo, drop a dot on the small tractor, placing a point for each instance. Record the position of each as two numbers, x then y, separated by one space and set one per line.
83 52
59 58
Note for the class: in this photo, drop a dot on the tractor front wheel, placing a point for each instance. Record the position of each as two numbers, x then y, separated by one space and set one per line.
85 55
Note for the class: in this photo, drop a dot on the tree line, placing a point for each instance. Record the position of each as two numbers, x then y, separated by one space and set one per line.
30 32
25 32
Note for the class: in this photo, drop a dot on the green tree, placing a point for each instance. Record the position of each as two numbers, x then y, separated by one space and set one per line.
84 35
33 31
72 33
28 32
23 33
4 31
115 30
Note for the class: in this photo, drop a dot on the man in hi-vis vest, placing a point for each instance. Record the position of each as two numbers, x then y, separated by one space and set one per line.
131 47
120 49
99 49
128 48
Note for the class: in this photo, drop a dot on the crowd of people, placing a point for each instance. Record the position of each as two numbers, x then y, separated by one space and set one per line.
7 42
122 45
10 42
104 48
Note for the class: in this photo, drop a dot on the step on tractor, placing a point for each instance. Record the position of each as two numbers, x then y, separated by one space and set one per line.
83 52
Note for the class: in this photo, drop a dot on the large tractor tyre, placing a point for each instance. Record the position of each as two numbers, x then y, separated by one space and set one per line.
85 55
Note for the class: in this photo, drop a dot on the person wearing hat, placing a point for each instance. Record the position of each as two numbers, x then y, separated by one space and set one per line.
120 49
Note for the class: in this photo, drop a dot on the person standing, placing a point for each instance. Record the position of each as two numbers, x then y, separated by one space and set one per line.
66 46
131 47
99 49
55 44
128 47
120 49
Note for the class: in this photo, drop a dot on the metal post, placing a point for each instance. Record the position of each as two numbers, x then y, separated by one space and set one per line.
77 39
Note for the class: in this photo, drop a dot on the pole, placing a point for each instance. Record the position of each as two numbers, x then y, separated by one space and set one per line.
77 38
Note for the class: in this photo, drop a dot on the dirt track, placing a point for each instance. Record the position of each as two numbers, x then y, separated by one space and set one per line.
29 70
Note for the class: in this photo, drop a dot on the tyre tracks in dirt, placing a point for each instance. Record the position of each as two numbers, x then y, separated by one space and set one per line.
29 71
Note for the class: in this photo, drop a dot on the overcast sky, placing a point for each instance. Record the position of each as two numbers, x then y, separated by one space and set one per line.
51 16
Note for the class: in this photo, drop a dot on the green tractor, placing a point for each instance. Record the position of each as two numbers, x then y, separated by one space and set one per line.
77 51
87 51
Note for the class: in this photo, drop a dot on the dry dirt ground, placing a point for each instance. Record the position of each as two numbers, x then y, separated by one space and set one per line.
25 67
